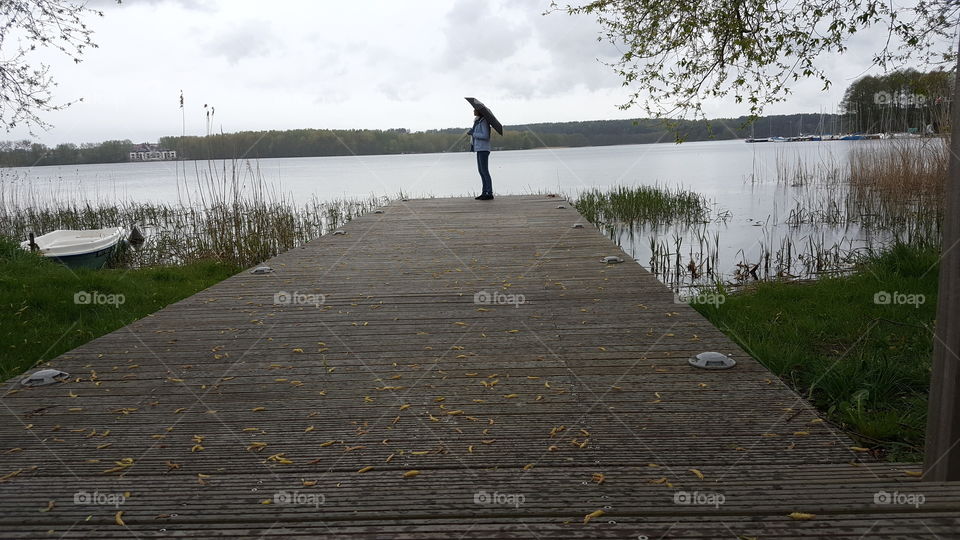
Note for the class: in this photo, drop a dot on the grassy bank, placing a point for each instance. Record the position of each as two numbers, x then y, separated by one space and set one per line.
865 363
40 317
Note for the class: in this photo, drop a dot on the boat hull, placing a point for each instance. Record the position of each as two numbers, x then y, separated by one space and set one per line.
93 260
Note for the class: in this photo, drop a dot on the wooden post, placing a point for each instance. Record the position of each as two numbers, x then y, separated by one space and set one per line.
942 453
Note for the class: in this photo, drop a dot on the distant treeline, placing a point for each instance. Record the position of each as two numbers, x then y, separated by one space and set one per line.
325 142
26 153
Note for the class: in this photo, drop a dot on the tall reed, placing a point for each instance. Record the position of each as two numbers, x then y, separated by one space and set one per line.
230 215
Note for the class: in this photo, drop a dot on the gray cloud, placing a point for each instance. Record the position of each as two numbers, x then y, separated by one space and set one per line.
246 40
475 32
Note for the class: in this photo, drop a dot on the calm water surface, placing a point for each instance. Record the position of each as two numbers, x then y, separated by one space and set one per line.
738 178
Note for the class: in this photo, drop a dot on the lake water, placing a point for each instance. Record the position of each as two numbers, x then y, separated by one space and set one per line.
739 178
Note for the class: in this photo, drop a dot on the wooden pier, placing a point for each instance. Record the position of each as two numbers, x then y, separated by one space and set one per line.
447 368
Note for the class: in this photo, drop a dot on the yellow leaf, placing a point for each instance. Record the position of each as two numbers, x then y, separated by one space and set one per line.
801 515
599 478
118 519
913 473
257 446
266 501
404 406
298 350
511 396
410 474
591 515
697 473
258 409
528 466
859 449
365 469
309 483
309 429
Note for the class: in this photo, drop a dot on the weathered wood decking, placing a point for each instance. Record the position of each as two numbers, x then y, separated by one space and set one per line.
229 415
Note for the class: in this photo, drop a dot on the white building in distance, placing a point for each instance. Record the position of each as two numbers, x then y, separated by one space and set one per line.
151 152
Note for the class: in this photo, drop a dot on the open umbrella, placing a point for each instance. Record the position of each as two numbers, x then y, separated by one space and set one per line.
486 113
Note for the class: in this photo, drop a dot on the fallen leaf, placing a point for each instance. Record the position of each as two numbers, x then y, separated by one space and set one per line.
591 515
801 515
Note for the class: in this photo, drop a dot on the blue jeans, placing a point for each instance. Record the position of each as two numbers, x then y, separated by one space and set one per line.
483 164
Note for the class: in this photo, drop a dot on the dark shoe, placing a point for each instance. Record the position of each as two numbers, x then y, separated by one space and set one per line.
486 197
480 198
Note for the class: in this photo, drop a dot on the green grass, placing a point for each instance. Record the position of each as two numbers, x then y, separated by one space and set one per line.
40 320
865 365
642 204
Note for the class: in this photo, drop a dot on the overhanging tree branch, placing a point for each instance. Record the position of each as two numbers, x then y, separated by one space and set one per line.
26 27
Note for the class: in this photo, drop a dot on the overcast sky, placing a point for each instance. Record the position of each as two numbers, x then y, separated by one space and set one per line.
288 64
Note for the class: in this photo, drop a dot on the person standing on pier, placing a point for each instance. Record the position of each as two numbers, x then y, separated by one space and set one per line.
480 144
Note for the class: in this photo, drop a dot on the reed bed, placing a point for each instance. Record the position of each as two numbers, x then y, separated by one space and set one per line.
229 215
899 187
884 192
643 204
